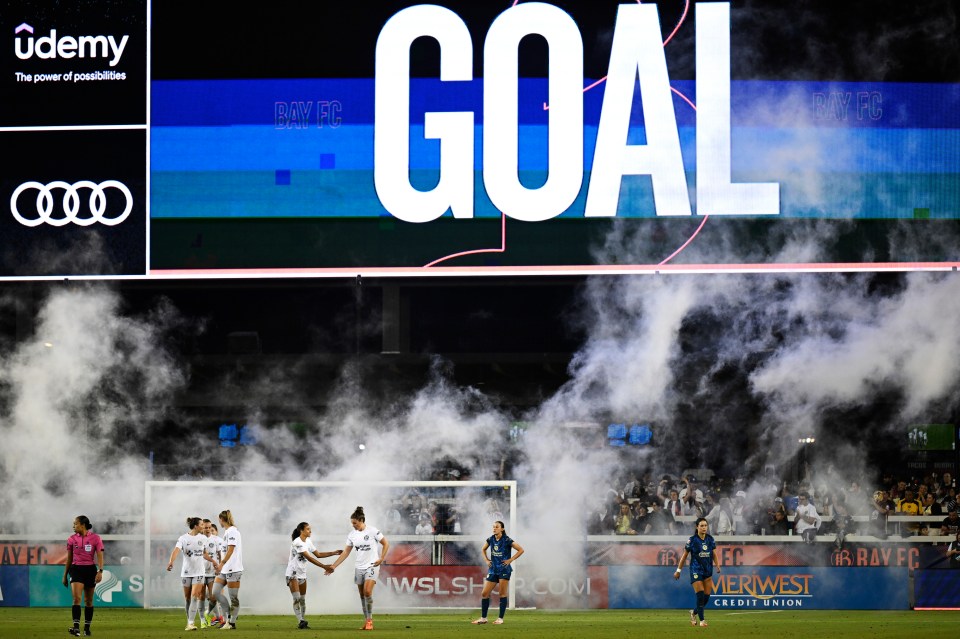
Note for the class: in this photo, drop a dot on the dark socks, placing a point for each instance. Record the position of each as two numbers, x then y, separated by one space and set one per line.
701 601
503 606
484 607
76 616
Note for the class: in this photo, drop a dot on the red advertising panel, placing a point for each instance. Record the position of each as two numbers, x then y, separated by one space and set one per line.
32 554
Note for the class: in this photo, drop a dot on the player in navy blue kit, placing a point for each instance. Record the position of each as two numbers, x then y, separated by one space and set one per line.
501 556
703 558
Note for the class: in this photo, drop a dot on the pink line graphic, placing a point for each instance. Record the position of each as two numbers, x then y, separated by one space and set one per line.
503 245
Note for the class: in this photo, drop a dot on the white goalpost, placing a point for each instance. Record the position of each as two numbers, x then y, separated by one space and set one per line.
461 514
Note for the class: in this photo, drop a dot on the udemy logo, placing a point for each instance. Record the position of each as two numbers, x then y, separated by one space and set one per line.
52 46
108 585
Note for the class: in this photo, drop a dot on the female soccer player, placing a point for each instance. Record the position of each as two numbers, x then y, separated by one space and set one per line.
703 557
195 556
369 558
85 569
208 612
501 548
302 550
229 572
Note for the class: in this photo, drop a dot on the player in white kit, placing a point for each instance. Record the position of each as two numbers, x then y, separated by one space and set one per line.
193 547
302 550
230 571
208 609
368 559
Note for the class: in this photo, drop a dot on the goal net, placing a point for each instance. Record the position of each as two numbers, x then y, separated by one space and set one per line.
436 530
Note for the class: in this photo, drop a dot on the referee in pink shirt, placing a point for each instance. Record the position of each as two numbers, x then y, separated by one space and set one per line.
85 570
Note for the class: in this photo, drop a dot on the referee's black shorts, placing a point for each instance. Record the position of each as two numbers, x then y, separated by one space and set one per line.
86 575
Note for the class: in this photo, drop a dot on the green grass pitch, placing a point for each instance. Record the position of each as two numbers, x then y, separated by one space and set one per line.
27 623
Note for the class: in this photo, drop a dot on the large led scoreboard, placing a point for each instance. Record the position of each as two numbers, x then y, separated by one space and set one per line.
210 139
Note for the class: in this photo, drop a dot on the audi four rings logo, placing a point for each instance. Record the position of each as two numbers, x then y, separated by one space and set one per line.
73 211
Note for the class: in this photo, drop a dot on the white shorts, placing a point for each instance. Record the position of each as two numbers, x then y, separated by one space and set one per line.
361 575
231 577
189 582
300 580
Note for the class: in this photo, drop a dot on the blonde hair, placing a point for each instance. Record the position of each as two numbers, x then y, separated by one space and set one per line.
226 517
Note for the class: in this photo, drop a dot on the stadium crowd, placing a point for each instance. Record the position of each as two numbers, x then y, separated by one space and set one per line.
641 505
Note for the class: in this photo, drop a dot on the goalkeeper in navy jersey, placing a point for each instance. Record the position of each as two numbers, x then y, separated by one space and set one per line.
501 556
703 558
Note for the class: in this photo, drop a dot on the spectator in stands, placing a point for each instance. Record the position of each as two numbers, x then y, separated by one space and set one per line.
807 521
411 505
691 499
909 506
664 489
898 491
720 517
824 501
777 505
739 505
690 487
931 507
841 520
600 521
672 504
634 489
641 519
425 527
661 521
951 523
623 524
883 507
392 519
777 523
950 499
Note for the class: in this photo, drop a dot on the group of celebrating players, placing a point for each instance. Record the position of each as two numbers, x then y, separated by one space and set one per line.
211 564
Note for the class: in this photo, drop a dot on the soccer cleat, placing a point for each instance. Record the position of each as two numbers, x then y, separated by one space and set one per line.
481 620
693 618
368 625
303 625
498 621
208 618
74 631
221 620
703 624
87 633
203 622
228 626
190 626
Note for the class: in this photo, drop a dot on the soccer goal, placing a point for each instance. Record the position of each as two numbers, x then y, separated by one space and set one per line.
435 529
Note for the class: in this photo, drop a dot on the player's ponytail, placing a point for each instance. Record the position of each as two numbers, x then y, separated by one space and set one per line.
84 521
358 515
298 530
226 517
193 522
